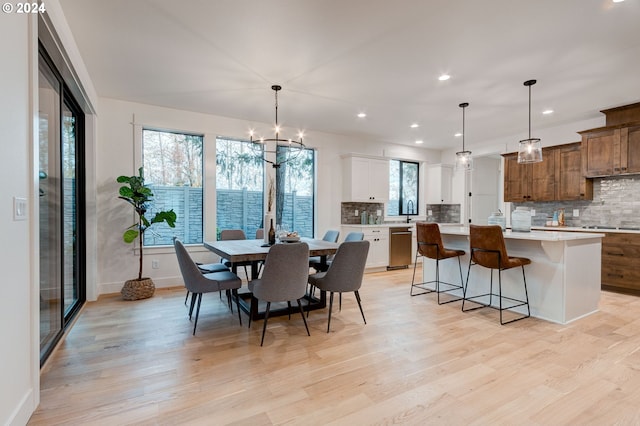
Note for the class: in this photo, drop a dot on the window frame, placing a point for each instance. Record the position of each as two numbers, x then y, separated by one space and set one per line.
401 211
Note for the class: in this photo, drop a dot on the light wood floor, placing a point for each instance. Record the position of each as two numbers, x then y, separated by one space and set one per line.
414 363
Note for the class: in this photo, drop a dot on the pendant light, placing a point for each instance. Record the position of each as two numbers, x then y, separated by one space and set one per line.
530 150
463 158
289 150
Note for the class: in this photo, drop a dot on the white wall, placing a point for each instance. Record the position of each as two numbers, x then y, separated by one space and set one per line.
115 156
18 322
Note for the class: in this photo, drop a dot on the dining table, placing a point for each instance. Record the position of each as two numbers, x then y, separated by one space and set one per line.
255 251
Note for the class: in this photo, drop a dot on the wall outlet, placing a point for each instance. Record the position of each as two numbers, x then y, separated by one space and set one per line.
533 212
576 212
155 264
378 212
355 213
429 212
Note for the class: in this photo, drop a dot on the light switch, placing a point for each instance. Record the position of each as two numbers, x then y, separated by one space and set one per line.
576 212
378 212
19 208
533 212
355 213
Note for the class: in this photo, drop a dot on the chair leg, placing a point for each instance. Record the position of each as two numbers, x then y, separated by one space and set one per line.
289 309
235 294
330 307
253 308
195 323
340 302
193 303
413 280
312 289
186 297
360 305
303 318
526 293
266 318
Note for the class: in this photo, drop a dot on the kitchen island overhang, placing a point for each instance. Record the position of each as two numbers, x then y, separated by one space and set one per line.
563 280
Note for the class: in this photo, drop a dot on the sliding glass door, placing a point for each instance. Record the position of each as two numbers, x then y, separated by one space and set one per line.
61 205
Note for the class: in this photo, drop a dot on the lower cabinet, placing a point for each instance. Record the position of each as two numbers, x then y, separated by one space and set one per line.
378 238
621 262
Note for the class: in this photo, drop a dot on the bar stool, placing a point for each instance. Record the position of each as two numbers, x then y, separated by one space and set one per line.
488 249
430 245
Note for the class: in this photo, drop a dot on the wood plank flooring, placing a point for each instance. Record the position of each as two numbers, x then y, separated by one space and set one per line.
413 363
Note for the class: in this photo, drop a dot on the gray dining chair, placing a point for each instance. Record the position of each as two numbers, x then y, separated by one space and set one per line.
345 273
198 283
315 262
284 278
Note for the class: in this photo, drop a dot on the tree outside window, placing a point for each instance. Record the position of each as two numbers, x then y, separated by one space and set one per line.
403 188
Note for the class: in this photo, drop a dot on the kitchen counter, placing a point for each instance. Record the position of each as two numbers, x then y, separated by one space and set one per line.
563 279
581 229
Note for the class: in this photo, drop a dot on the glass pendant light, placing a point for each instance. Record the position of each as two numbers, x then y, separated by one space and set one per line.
530 150
464 161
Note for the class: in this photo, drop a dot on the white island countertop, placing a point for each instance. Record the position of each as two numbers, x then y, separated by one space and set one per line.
532 236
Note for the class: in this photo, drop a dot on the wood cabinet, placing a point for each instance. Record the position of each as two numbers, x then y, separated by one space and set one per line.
610 151
365 179
570 183
621 262
557 178
530 182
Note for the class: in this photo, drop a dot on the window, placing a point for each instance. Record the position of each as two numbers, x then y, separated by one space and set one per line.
295 192
173 169
239 187
403 188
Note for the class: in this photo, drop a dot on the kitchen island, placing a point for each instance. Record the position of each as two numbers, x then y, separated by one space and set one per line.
563 280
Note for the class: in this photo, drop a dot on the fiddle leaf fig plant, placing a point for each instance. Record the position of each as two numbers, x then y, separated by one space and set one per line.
140 197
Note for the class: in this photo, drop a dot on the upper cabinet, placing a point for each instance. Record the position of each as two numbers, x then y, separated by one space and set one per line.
438 183
615 148
365 179
557 178
609 151
529 182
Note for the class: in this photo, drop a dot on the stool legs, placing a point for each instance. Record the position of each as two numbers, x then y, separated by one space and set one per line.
515 302
437 281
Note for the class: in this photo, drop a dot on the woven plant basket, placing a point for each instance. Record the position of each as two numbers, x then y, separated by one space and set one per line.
138 289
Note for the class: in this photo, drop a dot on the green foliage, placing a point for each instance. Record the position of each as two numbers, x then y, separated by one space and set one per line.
140 197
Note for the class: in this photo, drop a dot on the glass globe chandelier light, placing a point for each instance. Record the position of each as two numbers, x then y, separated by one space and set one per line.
530 150
464 161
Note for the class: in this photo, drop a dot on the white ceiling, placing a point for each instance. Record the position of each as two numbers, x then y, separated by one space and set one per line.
335 58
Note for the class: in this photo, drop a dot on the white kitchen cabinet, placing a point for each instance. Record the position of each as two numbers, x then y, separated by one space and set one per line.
365 179
378 238
438 183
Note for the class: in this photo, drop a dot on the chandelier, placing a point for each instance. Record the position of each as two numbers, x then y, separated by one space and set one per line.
464 161
285 149
530 150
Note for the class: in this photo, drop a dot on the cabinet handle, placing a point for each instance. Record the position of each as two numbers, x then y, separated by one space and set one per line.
615 254
616 169
623 168
582 195
616 275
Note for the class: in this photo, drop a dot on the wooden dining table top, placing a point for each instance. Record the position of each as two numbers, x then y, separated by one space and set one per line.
252 250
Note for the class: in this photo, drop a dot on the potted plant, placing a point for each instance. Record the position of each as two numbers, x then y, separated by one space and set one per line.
140 196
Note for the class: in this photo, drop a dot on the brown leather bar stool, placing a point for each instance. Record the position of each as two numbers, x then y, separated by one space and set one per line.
488 250
430 245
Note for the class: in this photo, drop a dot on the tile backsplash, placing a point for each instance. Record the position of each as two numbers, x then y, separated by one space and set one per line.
348 216
444 213
616 202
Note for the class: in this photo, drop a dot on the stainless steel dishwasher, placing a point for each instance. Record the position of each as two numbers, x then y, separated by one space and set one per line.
399 247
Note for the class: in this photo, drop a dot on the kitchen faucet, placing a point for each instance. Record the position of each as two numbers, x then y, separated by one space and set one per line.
409 211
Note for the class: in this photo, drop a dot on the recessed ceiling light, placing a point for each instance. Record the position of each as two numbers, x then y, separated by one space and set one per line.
414 125
362 115
547 111
457 135
618 1
419 141
444 77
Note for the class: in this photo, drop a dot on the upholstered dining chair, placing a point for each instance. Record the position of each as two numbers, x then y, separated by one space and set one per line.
331 236
198 283
284 279
430 245
489 250
345 273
